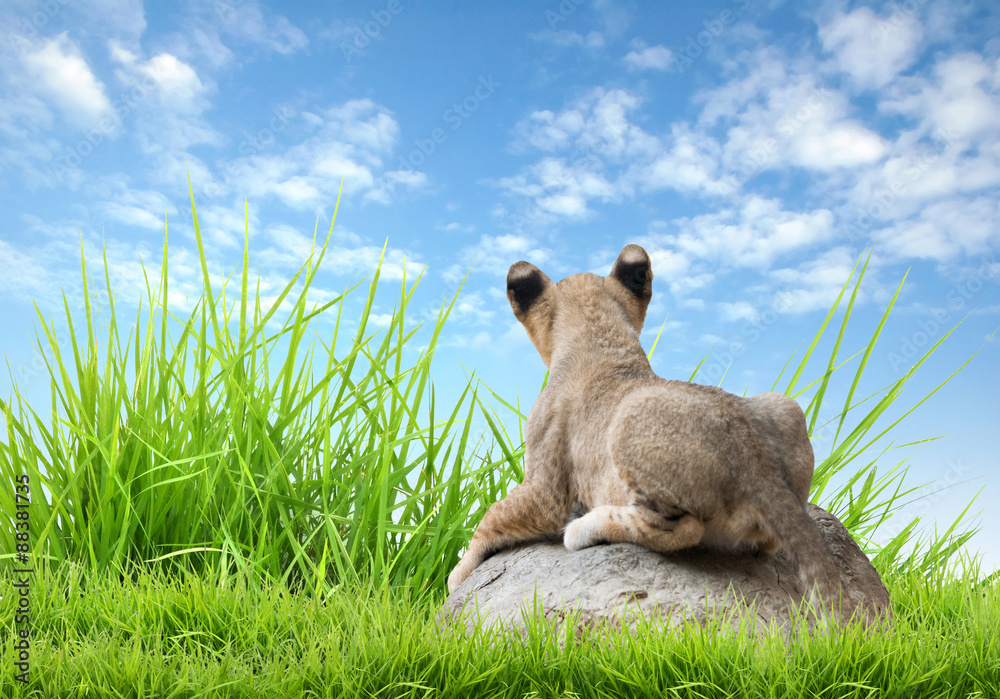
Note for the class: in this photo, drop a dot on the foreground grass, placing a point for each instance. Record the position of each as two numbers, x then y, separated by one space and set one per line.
154 635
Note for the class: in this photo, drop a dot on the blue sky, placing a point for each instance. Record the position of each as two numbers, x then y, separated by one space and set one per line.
755 149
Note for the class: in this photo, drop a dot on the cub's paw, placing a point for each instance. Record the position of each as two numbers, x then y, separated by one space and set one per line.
582 533
462 571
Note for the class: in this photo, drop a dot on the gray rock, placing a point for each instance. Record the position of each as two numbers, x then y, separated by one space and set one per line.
619 583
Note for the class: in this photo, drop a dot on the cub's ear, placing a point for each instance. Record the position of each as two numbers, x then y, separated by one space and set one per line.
632 269
525 285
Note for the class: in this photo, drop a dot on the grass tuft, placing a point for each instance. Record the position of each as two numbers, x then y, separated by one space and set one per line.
228 440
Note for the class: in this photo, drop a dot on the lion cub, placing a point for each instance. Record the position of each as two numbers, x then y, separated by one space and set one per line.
664 464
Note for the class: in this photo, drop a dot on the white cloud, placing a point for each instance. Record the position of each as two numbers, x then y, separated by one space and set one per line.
394 181
548 131
814 285
687 162
495 254
962 101
779 114
689 254
470 308
571 39
146 209
649 58
347 254
173 84
755 235
597 124
667 263
62 74
246 21
169 98
26 145
354 141
771 119
872 49
456 227
601 154
691 282
946 230
21 273
738 310
379 320
560 188
204 43
179 87
930 197
595 152
124 19
844 145
920 172
480 340
761 72
42 271
226 226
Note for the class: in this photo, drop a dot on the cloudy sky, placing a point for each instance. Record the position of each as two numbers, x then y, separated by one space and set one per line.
755 149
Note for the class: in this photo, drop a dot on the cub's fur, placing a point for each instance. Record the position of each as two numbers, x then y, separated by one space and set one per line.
664 464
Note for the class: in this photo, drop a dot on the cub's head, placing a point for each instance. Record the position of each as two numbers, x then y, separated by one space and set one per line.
581 305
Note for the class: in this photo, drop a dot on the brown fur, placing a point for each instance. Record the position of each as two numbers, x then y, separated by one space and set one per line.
664 464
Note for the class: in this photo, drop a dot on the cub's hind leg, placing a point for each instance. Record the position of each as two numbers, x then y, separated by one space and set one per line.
610 524
818 572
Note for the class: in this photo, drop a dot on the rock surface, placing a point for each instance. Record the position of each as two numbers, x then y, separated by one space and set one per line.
617 584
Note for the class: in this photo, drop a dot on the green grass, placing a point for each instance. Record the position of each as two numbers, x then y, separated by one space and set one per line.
233 437
158 635
280 498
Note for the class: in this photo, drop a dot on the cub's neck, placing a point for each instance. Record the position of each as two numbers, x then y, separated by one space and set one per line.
602 346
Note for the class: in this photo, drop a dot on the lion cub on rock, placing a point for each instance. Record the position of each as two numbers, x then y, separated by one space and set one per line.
664 464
